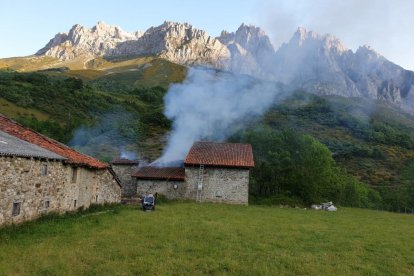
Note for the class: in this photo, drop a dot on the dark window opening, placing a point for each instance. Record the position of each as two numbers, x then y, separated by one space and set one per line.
16 208
74 175
74 203
96 198
44 169
47 204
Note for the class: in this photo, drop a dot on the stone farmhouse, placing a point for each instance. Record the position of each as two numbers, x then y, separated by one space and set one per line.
211 172
40 175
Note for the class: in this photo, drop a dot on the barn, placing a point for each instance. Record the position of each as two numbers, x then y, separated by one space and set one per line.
211 172
39 175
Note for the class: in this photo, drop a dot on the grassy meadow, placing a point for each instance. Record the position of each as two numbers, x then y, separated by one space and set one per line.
191 239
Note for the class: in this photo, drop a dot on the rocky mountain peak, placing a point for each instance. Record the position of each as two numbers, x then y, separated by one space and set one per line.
101 25
368 51
303 37
250 49
247 36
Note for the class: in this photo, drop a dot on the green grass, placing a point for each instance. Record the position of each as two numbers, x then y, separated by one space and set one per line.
191 239
29 63
13 111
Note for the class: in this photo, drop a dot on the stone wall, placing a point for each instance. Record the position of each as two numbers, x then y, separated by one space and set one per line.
129 185
92 187
109 190
227 185
22 182
171 189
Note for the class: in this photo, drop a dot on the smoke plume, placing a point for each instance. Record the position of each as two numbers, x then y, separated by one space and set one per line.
211 105
112 135
130 155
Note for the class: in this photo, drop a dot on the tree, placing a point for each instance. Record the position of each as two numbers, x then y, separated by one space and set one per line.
299 166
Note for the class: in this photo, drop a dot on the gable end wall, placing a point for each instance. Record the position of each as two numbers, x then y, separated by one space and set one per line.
227 185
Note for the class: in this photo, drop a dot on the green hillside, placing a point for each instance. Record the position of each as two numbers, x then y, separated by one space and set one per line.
113 75
58 106
111 107
217 239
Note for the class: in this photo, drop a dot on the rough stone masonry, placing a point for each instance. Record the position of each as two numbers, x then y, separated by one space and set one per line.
211 172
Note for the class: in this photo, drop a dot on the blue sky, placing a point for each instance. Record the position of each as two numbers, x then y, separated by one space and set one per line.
387 26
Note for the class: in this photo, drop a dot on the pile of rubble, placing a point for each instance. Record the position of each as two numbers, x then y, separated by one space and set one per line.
328 206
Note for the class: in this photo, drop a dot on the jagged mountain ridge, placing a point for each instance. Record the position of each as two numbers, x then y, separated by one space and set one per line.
179 43
323 64
97 41
320 64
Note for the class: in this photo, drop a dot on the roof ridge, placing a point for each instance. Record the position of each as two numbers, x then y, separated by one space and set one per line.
220 154
215 142
54 142
38 133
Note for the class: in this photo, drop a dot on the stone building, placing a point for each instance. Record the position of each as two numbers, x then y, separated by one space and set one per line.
40 175
213 172
124 169
168 181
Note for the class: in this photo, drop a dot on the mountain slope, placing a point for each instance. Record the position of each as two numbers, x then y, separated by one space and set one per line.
320 64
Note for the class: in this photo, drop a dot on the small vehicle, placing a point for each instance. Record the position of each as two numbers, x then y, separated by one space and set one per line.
148 203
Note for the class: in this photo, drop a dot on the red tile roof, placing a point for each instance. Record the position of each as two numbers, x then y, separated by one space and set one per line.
220 155
73 157
159 173
123 161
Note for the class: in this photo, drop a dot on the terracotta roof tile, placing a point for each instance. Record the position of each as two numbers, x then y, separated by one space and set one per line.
28 135
160 173
220 155
123 161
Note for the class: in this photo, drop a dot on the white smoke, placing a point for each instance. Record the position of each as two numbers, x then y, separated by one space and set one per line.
212 105
130 155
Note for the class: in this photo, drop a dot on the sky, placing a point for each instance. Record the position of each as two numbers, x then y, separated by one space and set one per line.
385 25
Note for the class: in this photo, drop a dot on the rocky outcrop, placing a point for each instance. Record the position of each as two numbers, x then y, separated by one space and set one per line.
322 64
81 41
250 50
313 62
179 43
